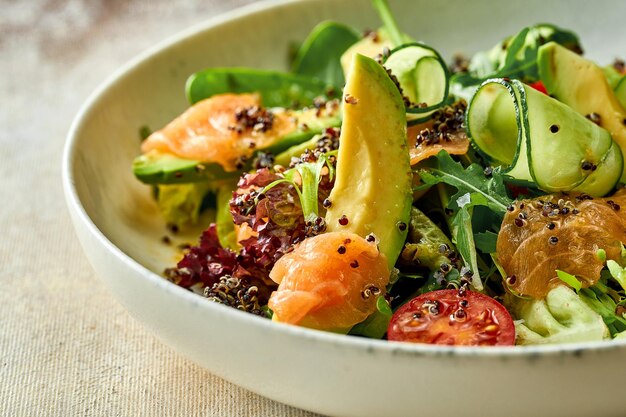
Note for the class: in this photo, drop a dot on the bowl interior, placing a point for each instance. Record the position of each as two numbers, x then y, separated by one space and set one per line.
151 90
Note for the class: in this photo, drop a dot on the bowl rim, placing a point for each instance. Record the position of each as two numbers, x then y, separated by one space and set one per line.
337 340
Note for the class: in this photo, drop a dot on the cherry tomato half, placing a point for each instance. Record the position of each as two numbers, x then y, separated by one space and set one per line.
453 317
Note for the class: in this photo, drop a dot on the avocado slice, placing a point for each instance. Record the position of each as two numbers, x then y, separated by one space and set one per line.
620 92
370 45
582 85
163 168
373 186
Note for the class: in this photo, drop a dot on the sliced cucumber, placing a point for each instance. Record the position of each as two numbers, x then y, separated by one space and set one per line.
423 77
540 139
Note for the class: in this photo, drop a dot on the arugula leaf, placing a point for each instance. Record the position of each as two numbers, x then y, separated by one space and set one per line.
483 190
474 188
486 241
569 279
463 237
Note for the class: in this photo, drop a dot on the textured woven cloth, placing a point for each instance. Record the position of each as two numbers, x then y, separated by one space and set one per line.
66 347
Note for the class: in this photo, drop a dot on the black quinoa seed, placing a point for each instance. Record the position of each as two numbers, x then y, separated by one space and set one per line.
553 240
341 250
594 117
554 128
343 220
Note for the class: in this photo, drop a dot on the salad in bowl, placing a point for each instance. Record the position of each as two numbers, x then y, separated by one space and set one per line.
378 191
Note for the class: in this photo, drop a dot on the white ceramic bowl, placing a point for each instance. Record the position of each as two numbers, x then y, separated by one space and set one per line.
120 231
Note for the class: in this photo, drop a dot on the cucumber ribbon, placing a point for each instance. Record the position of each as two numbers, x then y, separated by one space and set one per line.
539 139
423 78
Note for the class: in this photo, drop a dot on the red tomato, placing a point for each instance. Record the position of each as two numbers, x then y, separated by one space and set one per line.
539 87
453 317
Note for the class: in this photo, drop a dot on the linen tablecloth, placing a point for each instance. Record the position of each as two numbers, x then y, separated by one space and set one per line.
67 348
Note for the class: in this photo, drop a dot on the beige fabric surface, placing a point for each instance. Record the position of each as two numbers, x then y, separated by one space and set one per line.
66 347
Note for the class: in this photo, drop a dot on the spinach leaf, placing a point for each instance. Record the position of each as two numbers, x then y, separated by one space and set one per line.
319 56
277 89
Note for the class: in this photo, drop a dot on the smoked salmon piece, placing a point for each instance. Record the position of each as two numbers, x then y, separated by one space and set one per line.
329 282
445 131
561 232
222 129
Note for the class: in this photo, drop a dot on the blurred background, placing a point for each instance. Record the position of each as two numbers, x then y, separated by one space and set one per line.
66 347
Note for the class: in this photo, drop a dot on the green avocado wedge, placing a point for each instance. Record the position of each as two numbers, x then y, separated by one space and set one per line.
620 92
583 86
373 184
539 139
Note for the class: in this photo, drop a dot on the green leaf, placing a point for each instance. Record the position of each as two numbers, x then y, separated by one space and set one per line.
489 191
515 57
181 204
605 306
382 7
223 219
423 242
486 241
319 56
463 237
277 89
310 175
375 326
569 279
617 272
